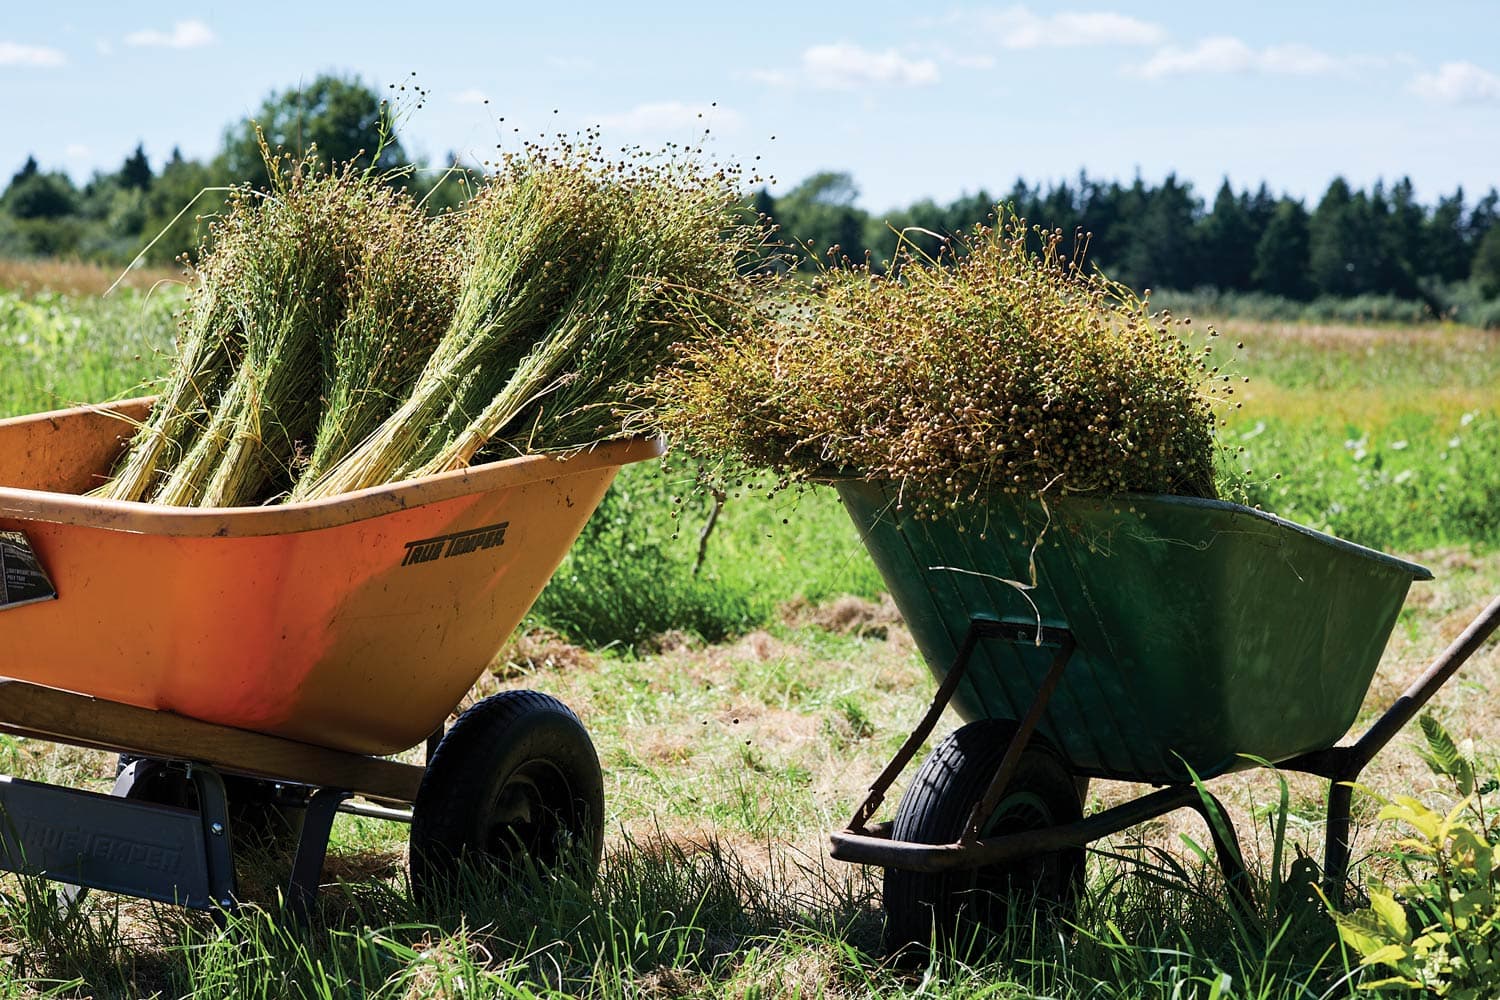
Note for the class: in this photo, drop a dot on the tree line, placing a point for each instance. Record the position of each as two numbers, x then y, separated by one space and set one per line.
114 215
1351 243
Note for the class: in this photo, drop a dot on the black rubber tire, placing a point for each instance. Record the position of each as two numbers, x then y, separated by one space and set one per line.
962 907
514 783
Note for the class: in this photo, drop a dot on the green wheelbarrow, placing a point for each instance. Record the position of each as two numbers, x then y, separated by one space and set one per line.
1152 639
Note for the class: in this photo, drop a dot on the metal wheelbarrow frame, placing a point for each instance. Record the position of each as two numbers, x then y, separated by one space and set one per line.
1089 656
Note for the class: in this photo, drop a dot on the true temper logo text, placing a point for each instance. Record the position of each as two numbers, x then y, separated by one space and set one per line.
81 843
427 549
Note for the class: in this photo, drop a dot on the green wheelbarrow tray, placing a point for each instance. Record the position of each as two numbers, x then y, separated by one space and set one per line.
1207 633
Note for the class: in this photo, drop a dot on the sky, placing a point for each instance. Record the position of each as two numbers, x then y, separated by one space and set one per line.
913 100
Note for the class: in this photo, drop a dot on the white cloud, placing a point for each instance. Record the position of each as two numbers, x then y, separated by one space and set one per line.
1223 54
1458 83
670 116
184 35
1299 60
845 66
471 96
1019 28
14 54
77 151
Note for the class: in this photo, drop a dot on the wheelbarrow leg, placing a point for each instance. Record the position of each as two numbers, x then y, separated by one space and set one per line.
1342 765
1336 843
979 629
985 807
218 849
312 850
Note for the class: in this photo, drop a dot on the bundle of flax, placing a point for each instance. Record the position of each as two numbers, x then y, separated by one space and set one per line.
339 339
1003 368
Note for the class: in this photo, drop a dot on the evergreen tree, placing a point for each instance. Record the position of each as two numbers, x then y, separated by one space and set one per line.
28 170
1227 241
1107 213
1393 226
1281 255
135 173
33 194
1486 272
1444 248
1059 209
1484 217
1259 208
1332 231
1162 251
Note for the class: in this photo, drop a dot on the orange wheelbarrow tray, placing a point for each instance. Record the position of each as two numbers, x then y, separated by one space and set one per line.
295 644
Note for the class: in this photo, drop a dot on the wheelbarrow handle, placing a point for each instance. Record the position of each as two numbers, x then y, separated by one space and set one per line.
1415 697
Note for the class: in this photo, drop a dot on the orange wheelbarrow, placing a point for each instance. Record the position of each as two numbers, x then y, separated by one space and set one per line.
262 664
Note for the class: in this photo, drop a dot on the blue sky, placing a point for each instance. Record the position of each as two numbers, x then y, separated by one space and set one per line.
914 101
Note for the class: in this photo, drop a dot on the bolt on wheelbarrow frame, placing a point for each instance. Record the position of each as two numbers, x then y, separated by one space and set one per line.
297 645
1158 640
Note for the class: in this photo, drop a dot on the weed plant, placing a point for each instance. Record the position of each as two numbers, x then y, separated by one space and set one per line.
1436 932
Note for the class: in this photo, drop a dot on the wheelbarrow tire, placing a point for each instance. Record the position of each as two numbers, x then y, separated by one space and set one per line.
512 792
961 908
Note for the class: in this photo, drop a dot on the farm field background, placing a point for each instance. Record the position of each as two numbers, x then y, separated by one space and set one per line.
740 711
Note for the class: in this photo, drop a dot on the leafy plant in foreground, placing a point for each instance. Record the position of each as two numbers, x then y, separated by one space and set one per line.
1438 931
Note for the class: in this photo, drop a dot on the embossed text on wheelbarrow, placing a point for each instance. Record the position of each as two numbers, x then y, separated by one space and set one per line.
22 578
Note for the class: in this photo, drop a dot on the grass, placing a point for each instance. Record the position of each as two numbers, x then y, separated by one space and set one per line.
59 350
632 575
1387 437
725 765
734 742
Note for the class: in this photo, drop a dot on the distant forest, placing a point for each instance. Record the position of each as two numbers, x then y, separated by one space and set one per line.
1440 259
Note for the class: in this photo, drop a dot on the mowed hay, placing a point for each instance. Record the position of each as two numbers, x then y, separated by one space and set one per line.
997 367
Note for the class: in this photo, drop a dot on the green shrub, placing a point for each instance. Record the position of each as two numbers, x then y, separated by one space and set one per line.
635 572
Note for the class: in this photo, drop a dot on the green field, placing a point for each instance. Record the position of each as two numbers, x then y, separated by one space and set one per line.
740 710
